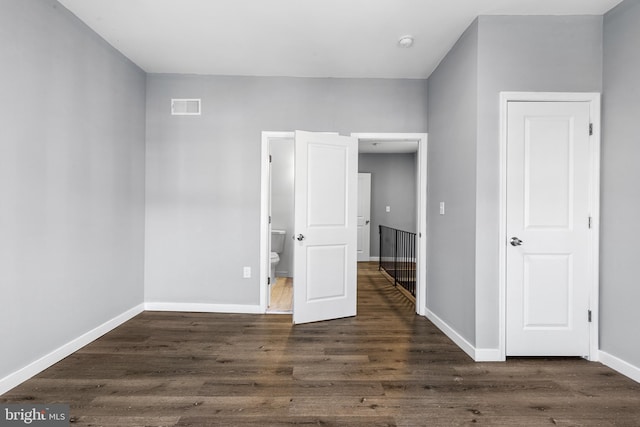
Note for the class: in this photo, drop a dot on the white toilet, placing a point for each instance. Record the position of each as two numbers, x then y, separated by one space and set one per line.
277 246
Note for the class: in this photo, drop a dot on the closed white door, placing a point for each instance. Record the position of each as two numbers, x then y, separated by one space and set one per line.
547 290
325 267
364 216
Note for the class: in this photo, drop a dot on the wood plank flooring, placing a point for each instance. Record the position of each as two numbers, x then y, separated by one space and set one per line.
281 300
385 367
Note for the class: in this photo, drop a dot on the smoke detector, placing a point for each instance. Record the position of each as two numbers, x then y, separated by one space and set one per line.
405 41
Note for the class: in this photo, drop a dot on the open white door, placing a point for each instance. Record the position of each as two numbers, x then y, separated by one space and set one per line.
364 216
326 182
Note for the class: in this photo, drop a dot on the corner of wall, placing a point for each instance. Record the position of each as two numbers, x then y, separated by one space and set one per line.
14 379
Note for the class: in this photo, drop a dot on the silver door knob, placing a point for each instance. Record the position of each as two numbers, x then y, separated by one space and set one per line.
367 222
515 241
300 237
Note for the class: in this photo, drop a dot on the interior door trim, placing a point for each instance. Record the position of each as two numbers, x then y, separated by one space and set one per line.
594 206
421 208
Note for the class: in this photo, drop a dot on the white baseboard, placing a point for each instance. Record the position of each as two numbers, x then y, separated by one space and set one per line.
625 368
34 368
203 308
452 334
374 259
488 355
477 354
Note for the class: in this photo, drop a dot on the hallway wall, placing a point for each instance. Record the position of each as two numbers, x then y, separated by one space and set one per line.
496 53
519 53
620 203
203 173
71 183
393 184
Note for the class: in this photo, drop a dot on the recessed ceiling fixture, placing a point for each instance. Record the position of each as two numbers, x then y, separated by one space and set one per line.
405 41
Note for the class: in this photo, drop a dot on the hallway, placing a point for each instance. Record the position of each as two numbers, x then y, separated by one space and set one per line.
385 367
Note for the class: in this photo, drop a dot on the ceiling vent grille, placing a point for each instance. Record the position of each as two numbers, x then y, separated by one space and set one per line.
185 107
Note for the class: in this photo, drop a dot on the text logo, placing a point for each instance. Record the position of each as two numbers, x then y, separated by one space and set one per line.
55 415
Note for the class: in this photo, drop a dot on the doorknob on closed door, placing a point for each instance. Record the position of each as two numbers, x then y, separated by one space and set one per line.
515 241
299 237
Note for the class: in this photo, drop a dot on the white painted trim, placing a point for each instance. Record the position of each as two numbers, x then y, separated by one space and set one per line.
458 339
625 368
421 206
34 368
203 307
594 203
477 354
488 355
374 259
421 289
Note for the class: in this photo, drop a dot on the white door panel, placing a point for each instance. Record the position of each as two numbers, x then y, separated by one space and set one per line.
364 216
548 210
325 227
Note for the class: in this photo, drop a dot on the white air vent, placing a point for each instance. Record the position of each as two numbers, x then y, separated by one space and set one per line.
185 107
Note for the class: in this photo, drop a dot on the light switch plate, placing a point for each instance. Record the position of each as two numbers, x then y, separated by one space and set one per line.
441 208
388 209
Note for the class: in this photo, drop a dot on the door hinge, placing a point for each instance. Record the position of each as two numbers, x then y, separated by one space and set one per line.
590 128
589 315
589 222
268 280
270 221
270 159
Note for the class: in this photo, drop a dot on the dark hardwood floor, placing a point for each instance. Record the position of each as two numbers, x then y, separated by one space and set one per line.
385 367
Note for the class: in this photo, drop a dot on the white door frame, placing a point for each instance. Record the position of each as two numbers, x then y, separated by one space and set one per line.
421 204
421 207
594 206
367 224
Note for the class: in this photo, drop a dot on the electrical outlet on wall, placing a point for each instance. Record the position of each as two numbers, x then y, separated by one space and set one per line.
246 272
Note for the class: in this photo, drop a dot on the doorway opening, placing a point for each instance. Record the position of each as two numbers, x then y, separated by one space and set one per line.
275 171
281 224
398 153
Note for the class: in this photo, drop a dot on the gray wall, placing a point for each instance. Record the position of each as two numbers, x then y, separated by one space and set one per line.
71 181
203 173
515 53
497 53
453 88
620 209
282 209
393 184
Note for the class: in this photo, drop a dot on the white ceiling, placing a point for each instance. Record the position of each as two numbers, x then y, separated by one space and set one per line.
301 38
